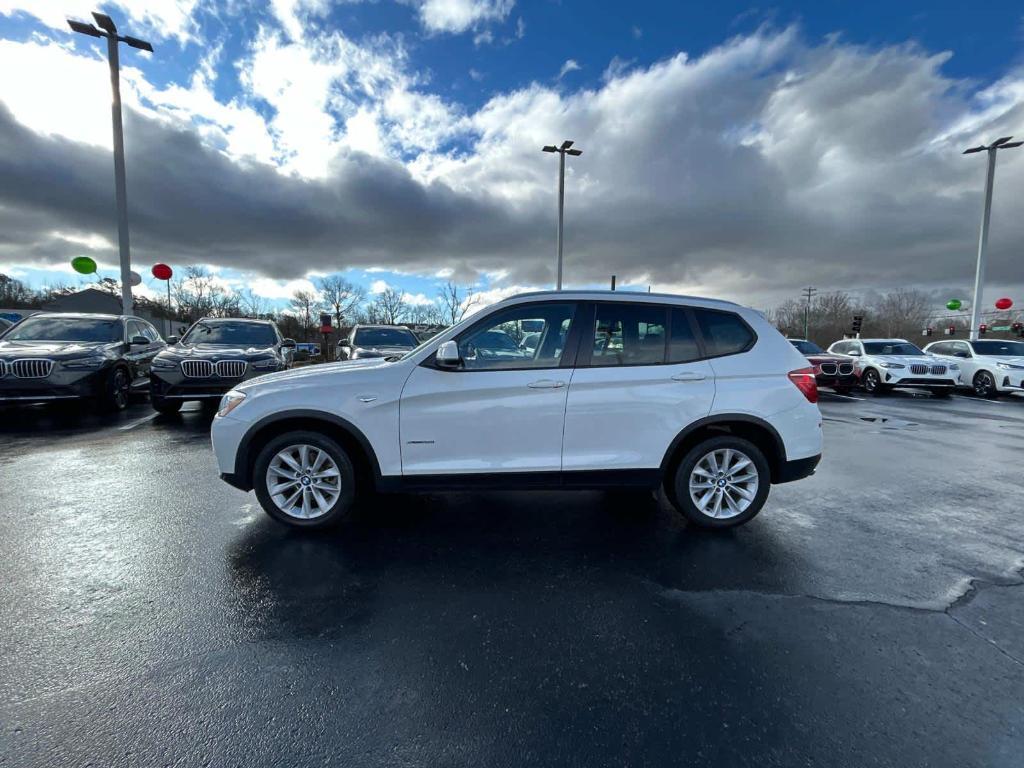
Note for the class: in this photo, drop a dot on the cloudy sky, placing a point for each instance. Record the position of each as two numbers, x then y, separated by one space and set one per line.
733 152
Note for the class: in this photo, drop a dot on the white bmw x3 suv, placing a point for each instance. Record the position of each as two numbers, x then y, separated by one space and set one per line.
702 396
883 364
988 366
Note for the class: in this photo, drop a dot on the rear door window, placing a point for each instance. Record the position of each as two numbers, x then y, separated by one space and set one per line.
629 334
724 332
682 345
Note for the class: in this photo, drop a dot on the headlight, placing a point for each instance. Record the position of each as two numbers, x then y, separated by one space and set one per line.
892 365
84 363
262 365
1010 367
229 402
163 364
953 367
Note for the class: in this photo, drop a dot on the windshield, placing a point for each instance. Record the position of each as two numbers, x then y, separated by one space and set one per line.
232 334
806 347
66 329
891 348
384 337
999 348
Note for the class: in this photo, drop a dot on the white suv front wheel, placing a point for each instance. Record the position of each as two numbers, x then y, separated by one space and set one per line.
721 482
304 479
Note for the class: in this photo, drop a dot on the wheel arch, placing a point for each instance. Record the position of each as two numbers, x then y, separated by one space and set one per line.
355 443
756 430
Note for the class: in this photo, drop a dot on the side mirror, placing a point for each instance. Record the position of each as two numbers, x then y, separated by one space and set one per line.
139 341
173 339
288 343
448 355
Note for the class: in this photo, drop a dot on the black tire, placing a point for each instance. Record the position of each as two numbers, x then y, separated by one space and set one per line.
117 390
871 382
343 505
680 495
941 392
163 405
985 385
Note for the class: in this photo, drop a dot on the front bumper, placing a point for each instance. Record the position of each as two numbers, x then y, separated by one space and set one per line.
836 381
59 385
173 385
895 380
1010 381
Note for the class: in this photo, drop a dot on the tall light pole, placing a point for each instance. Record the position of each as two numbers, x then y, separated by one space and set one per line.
986 214
562 151
109 31
809 292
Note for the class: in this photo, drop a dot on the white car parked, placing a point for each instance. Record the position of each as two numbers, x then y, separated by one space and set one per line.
883 364
620 389
988 366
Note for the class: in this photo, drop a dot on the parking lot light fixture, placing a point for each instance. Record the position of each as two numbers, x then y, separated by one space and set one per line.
107 29
979 274
566 148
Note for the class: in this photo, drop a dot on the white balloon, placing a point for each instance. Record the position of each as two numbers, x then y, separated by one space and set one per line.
135 278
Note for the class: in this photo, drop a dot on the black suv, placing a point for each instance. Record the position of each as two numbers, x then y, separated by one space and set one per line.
53 356
212 357
376 341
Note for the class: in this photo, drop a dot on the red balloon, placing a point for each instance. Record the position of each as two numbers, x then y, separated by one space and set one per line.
162 272
1004 303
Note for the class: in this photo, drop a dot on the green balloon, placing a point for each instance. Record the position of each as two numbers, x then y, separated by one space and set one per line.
953 304
83 265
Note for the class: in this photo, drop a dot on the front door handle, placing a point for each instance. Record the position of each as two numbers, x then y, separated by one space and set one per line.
689 376
546 384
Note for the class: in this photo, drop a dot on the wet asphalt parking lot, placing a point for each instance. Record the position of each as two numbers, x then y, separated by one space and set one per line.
873 614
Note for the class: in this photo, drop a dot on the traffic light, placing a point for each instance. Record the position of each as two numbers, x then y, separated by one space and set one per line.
857 320
951 330
1018 328
982 329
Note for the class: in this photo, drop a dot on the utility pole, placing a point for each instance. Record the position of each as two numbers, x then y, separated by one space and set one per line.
109 31
809 292
563 150
986 214
613 282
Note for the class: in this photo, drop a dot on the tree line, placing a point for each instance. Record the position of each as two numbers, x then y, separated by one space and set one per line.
199 293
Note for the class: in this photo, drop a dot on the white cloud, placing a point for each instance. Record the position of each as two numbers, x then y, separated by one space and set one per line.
279 289
571 65
417 299
156 19
379 286
457 16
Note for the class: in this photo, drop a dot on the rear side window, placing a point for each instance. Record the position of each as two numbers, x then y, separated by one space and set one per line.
724 333
629 334
682 345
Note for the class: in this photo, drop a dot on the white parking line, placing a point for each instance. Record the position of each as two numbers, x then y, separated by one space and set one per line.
845 397
981 400
137 422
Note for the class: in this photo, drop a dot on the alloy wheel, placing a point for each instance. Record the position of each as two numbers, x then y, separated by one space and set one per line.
723 483
870 381
983 384
303 481
121 388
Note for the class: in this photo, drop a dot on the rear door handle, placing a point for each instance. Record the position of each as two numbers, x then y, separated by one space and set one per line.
689 376
546 384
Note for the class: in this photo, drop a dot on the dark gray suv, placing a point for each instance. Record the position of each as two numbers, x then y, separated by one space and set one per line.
213 356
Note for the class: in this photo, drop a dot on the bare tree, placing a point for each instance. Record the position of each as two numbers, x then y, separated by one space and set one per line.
341 296
199 294
16 295
252 304
389 307
900 314
306 305
427 314
455 302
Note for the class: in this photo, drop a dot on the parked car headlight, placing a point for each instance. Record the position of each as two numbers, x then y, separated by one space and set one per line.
1010 367
163 364
84 363
953 367
892 365
265 364
229 402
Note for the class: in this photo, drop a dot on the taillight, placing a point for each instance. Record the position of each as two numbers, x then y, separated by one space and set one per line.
804 381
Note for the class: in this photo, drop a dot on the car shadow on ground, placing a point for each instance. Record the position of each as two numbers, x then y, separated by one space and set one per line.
296 582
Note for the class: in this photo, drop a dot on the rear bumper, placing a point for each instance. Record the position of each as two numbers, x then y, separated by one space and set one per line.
797 469
236 481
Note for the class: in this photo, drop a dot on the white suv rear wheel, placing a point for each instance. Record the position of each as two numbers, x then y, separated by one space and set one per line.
721 482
